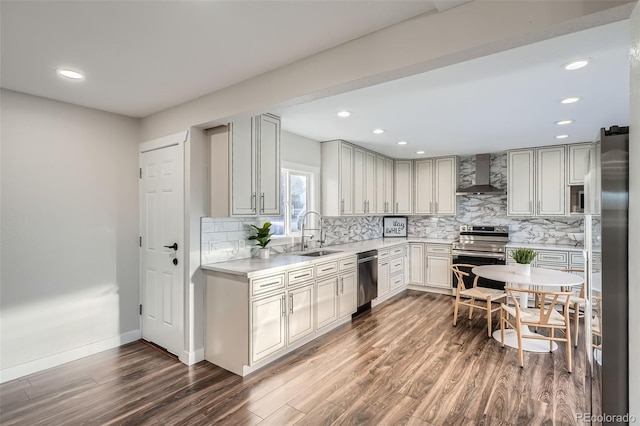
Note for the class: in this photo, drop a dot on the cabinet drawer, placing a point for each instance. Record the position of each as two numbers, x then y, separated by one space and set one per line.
325 269
396 265
557 266
383 254
347 264
396 281
300 275
266 284
576 259
396 251
440 248
553 257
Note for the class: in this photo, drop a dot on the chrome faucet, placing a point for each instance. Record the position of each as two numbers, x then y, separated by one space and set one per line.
304 222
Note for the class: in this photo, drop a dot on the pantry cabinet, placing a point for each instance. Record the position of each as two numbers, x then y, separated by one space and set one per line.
536 184
245 167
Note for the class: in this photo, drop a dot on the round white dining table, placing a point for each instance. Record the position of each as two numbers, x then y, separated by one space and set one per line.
539 277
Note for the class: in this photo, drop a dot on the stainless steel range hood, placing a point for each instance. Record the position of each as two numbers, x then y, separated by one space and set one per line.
482 185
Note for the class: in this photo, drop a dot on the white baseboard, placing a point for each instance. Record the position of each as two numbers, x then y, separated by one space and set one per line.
30 367
190 358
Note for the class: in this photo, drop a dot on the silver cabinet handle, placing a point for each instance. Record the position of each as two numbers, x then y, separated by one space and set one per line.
283 301
397 208
262 203
364 206
291 303
337 287
538 206
271 283
253 201
342 285
436 207
342 206
530 207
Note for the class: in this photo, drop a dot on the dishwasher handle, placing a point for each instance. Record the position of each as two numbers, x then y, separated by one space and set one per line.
367 259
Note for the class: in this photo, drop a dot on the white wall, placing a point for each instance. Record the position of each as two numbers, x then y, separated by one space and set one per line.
69 279
634 216
417 45
298 149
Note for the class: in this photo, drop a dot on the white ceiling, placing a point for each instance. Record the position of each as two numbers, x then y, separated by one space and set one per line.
502 101
141 57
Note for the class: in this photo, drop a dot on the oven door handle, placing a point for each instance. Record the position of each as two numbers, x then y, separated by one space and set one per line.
499 256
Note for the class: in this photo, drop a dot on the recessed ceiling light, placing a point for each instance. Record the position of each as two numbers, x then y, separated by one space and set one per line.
576 65
378 131
402 143
344 114
570 100
564 122
71 74
419 152
562 136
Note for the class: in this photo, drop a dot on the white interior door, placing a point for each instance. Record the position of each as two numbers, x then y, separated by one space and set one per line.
162 246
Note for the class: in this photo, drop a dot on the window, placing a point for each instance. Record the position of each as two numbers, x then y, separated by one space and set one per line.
296 197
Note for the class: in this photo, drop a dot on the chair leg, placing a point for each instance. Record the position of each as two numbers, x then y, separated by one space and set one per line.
551 341
489 317
455 310
576 317
502 326
569 347
473 302
519 333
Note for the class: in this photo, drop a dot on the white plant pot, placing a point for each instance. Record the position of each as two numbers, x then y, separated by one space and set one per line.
522 268
263 253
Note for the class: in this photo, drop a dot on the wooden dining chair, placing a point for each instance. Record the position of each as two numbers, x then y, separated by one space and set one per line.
543 316
576 303
487 295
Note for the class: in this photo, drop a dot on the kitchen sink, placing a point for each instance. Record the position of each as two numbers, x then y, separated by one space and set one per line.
319 253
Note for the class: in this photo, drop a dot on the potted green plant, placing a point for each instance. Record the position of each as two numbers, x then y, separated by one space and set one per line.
523 258
262 237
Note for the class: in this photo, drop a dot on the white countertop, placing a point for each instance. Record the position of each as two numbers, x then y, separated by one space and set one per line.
253 266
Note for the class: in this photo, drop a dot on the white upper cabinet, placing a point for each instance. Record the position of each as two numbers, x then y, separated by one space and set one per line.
578 157
536 182
436 181
388 185
267 129
446 183
370 182
245 167
403 185
381 201
520 182
424 186
337 178
551 190
359 182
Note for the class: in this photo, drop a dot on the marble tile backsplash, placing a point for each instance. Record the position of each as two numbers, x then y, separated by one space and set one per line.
226 238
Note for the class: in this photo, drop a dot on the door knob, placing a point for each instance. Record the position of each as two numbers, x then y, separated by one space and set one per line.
173 246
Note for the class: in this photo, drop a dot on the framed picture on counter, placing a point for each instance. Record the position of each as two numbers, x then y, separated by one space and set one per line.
394 226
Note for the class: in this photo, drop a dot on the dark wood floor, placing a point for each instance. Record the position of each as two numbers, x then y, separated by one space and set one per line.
404 363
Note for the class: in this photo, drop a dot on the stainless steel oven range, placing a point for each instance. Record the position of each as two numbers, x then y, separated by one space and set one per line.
480 245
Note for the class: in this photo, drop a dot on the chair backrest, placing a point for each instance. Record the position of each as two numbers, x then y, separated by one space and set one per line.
548 301
460 274
577 272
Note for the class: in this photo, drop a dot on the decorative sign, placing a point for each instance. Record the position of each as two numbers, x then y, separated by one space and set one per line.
394 226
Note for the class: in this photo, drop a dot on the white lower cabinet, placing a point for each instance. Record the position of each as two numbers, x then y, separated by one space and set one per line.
268 330
416 264
383 279
347 301
301 318
438 271
327 303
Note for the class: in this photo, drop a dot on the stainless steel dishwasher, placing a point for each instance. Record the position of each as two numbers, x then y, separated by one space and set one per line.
367 279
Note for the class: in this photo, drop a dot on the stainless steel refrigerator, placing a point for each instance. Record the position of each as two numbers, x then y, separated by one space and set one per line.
606 316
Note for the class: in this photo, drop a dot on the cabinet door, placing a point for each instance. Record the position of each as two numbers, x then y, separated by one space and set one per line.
301 309
359 183
388 185
346 179
267 326
424 187
578 157
347 301
383 279
268 132
446 179
416 264
327 305
381 201
520 183
439 271
243 168
403 186
551 189
370 182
